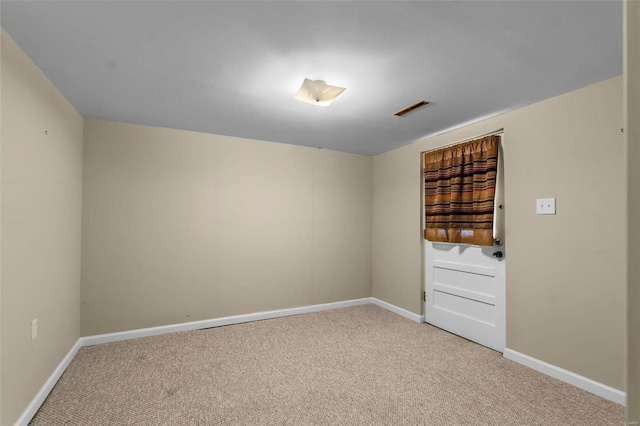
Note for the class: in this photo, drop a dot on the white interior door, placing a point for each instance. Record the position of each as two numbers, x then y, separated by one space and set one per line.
465 291
465 285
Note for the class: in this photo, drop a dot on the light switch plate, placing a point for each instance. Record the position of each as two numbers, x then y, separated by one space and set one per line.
546 206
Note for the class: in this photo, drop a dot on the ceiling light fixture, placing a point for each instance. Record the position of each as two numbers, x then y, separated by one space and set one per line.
318 92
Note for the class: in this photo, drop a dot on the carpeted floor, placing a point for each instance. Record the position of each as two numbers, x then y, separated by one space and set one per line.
353 366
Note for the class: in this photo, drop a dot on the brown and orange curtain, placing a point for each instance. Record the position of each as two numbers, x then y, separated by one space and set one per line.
459 191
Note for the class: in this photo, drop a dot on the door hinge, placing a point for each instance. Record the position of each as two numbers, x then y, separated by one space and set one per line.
424 296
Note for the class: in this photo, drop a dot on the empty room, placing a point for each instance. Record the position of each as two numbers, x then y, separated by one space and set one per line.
319 213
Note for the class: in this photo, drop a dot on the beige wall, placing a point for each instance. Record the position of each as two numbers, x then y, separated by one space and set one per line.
41 223
632 130
396 238
565 288
181 226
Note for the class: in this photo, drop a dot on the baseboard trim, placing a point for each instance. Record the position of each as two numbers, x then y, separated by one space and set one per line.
398 310
597 388
216 322
42 394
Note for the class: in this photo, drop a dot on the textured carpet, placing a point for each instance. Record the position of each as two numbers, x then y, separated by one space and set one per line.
354 366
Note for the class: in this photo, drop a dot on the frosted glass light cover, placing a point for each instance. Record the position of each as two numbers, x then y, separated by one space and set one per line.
318 92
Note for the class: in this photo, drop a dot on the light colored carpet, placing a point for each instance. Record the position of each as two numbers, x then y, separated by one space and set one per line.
353 366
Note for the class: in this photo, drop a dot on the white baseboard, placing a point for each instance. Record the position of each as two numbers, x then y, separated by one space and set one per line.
216 322
395 309
606 392
37 401
42 394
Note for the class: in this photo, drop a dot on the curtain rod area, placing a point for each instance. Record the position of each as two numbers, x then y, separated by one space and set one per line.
495 132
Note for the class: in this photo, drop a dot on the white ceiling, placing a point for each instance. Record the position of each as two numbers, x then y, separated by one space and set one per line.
232 68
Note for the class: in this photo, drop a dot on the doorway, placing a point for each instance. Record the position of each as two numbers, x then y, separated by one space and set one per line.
465 285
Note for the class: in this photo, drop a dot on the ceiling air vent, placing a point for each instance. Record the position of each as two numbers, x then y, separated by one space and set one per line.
410 108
